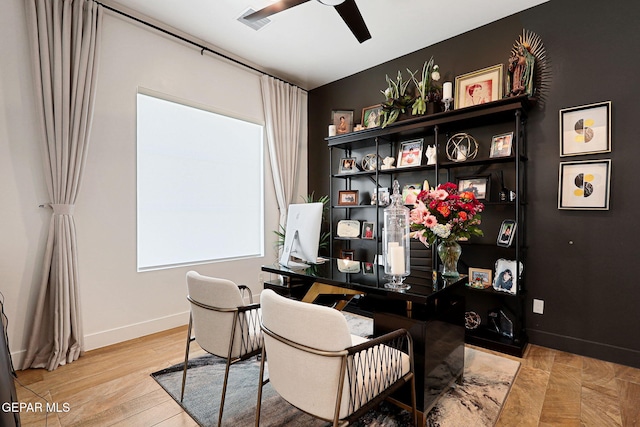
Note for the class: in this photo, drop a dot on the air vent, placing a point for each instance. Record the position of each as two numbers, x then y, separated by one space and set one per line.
256 25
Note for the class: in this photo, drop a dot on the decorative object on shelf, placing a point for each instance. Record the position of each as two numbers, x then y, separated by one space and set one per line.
584 185
448 215
428 95
425 185
585 129
368 230
501 323
501 145
333 130
348 197
479 87
505 195
480 278
447 95
348 228
371 116
367 268
397 100
431 154
410 193
343 121
348 165
461 147
527 72
387 163
506 233
348 266
472 320
395 241
506 277
478 185
358 127
410 153
371 161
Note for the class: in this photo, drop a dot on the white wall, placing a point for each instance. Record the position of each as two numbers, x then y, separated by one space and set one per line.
118 303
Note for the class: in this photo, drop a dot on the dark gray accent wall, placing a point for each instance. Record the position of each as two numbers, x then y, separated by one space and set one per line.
583 264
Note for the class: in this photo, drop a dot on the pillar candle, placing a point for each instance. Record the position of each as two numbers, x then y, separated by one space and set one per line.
396 259
332 130
447 90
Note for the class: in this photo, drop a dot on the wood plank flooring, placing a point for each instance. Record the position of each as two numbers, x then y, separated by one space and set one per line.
111 386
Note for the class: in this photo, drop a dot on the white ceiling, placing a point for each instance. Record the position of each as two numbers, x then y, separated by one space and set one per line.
309 45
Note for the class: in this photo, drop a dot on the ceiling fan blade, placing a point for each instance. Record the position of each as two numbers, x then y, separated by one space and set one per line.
273 9
353 18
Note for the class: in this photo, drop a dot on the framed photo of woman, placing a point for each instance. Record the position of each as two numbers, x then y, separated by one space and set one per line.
506 233
506 277
343 121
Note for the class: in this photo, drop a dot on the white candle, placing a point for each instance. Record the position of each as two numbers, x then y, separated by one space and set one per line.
332 130
396 259
447 90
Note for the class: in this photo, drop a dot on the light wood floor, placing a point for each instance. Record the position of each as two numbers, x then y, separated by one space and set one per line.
111 386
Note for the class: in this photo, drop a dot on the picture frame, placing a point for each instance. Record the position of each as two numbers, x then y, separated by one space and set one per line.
479 87
382 196
507 230
368 230
343 121
505 278
410 153
410 193
584 185
368 268
501 145
348 165
371 116
347 254
480 278
479 185
585 129
348 197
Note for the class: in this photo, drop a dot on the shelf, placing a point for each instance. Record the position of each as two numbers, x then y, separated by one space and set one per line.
487 338
501 109
355 206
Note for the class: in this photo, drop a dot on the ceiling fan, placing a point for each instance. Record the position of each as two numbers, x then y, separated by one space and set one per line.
347 9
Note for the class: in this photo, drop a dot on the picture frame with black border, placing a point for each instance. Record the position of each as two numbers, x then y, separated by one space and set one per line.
368 230
585 129
584 185
348 197
480 278
480 185
501 145
506 233
410 153
347 254
368 268
348 165
343 121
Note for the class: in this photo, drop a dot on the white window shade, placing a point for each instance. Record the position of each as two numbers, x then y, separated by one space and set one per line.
200 185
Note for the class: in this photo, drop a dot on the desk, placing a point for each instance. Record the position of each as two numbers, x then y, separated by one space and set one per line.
430 310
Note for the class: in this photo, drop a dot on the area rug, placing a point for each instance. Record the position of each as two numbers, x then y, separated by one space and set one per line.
477 402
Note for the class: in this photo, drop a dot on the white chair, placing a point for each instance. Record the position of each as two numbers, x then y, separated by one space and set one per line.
315 364
221 324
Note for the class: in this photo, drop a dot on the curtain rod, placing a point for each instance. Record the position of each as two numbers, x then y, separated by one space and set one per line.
184 39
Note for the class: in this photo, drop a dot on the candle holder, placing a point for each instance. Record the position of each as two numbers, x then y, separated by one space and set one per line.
395 242
447 104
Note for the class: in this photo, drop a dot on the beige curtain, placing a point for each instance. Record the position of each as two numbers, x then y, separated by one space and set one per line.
65 40
283 105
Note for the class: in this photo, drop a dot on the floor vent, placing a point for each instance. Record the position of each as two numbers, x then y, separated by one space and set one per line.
256 25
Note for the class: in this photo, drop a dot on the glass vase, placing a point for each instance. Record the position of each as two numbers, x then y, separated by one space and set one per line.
395 242
449 252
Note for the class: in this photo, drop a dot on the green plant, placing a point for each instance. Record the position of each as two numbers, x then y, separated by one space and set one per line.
397 100
427 90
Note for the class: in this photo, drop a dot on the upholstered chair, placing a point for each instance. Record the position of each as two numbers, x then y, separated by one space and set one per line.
315 364
221 324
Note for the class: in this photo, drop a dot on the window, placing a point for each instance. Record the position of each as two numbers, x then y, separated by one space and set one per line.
199 185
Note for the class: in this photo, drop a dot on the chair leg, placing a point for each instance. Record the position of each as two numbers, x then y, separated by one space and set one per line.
414 408
186 358
260 385
224 391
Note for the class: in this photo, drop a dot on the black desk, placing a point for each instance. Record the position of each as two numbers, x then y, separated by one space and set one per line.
430 310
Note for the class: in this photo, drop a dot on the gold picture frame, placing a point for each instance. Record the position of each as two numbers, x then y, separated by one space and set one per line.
479 87
480 278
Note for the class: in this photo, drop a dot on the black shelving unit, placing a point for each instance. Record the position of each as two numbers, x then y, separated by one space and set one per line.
505 115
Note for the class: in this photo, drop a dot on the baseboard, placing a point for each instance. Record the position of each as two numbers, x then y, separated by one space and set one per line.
596 350
117 335
136 330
